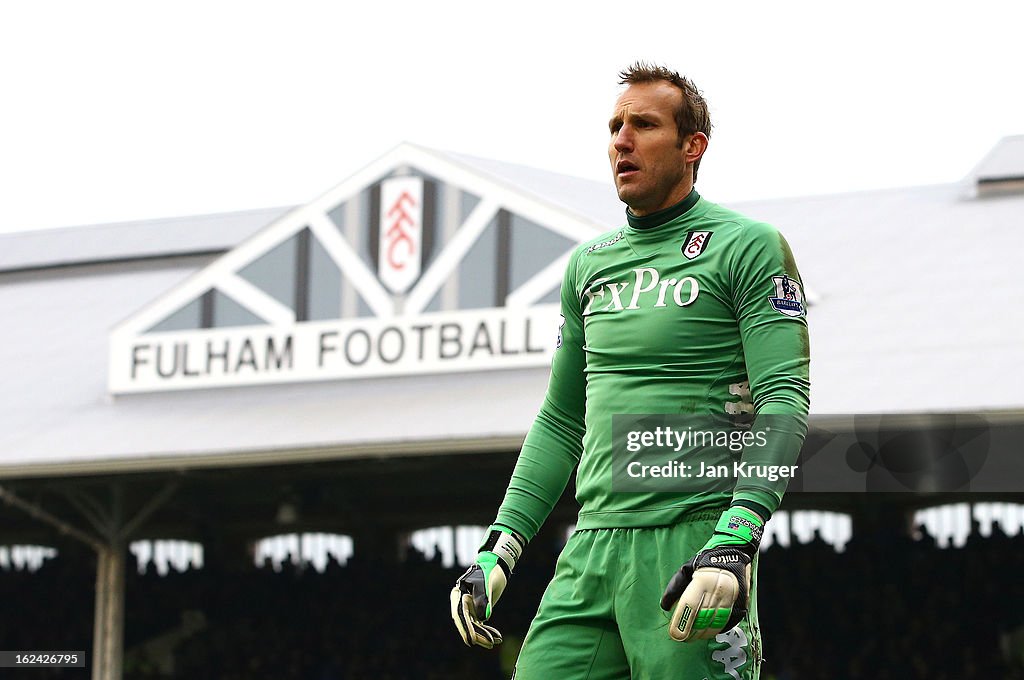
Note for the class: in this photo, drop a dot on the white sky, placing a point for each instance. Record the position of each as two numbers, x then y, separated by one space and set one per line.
131 110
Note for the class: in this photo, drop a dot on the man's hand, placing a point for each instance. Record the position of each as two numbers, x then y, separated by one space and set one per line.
710 592
477 591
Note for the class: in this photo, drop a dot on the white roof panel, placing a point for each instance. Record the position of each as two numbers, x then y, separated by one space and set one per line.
1004 161
131 240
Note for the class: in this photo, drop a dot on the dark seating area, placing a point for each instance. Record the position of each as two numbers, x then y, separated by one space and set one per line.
885 608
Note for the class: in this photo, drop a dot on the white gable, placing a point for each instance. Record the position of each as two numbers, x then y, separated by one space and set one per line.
181 341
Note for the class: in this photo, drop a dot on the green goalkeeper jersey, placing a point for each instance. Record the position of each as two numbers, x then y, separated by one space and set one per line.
692 310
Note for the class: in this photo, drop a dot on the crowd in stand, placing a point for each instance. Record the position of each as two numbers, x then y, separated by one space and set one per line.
885 608
891 608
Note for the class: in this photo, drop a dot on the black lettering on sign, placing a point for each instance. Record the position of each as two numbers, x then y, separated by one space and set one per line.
185 370
138 361
419 328
448 339
324 347
504 348
246 357
482 340
221 356
161 369
399 343
366 347
279 360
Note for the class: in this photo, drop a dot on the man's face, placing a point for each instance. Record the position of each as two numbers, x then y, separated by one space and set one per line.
649 164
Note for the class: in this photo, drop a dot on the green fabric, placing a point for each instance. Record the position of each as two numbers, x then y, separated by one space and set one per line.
761 511
600 617
647 330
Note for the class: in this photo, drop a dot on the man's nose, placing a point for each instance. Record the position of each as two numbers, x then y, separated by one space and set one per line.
623 139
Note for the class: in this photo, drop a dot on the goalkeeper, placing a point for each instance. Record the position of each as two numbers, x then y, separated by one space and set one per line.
687 309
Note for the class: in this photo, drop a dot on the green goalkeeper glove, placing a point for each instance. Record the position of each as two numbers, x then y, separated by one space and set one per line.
710 592
477 591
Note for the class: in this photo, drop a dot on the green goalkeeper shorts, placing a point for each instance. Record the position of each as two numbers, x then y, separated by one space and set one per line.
601 619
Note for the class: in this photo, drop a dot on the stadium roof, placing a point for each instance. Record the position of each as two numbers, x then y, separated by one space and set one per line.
123 241
915 308
1004 161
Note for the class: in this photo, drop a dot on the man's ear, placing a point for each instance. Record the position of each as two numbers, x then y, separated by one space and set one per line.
694 147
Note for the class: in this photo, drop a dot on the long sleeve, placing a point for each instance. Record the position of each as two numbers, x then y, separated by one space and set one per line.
554 444
771 312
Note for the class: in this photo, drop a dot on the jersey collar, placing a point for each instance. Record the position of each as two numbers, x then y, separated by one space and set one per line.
663 216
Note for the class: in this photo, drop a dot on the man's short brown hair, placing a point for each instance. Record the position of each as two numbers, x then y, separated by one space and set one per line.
692 114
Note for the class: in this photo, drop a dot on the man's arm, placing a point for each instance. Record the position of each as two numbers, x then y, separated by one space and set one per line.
710 593
551 450
772 315
554 443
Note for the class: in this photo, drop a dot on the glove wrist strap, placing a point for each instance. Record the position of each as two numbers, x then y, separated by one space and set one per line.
740 523
507 545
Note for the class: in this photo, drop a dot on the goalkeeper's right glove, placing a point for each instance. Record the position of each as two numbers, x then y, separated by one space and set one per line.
477 591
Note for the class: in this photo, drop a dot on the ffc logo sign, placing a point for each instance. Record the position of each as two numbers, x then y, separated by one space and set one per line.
696 242
401 232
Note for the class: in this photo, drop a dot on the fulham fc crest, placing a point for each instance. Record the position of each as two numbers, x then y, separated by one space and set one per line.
696 242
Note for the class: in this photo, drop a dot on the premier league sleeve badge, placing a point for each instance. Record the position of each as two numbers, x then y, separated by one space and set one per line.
788 298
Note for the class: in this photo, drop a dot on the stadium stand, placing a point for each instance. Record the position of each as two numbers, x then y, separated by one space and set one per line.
897 609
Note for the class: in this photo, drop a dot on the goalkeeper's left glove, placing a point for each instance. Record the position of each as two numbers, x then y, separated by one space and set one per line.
477 591
710 593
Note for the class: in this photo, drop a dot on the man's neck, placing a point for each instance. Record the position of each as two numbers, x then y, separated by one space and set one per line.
663 216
